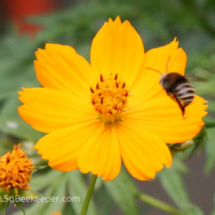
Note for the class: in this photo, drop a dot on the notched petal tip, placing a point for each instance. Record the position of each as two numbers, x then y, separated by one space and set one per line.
21 93
118 20
169 163
38 51
35 147
127 24
175 41
199 104
109 21
19 109
104 178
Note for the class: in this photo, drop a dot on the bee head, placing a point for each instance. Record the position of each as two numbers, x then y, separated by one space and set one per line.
165 80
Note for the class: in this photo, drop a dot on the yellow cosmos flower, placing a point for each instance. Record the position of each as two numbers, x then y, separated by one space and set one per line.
15 170
111 110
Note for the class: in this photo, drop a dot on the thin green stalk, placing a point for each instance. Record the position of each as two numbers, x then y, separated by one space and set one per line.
89 195
159 204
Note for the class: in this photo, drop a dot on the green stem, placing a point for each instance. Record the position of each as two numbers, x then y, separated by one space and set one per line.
159 204
89 195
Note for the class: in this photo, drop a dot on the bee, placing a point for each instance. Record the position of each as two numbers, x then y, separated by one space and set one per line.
177 87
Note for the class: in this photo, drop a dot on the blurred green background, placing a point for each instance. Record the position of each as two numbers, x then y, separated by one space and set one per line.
189 185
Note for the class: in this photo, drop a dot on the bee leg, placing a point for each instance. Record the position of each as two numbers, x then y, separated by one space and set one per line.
181 106
183 110
170 94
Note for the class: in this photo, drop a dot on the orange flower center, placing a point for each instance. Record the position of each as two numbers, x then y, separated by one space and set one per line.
15 170
109 98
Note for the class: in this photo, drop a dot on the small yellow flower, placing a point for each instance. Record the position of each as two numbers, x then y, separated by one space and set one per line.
111 110
15 170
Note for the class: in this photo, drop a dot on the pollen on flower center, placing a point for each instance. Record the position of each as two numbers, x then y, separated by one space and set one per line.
109 98
15 170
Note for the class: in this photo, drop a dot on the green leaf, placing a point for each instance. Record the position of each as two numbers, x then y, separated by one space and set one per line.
41 181
199 142
57 194
123 190
210 150
4 203
104 201
3 206
147 199
172 182
19 204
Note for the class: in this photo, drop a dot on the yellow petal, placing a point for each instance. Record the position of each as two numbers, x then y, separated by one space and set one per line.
101 154
168 58
62 147
60 67
147 86
143 153
163 117
118 49
47 110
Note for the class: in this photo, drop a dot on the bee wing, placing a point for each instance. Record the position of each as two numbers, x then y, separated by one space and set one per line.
196 78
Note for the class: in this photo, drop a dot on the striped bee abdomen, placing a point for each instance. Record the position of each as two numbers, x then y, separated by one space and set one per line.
185 93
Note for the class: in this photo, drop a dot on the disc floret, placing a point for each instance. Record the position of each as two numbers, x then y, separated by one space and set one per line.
109 98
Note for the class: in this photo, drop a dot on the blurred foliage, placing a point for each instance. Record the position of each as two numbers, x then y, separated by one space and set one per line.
158 22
